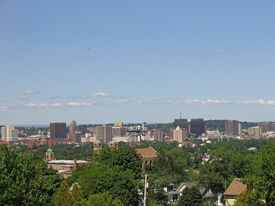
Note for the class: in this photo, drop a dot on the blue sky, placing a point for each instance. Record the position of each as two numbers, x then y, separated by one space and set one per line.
104 61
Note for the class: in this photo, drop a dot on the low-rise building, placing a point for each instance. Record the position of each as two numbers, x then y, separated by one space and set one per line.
147 155
65 167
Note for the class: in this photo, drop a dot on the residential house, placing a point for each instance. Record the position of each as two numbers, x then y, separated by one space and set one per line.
234 189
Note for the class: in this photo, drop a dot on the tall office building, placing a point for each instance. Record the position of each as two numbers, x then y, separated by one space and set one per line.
197 127
9 133
182 123
158 135
118 131
266 126
58 130
233 128
104 133
179 134
72 132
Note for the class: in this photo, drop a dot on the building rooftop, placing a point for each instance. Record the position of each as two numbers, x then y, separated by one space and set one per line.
235 188
67 162
147 152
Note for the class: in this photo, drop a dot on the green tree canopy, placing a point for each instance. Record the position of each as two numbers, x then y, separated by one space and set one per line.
25 179
63 196
76 193
100 178
190 197
103 199
124 157
264 182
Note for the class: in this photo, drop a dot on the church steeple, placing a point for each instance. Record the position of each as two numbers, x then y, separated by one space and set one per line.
49 154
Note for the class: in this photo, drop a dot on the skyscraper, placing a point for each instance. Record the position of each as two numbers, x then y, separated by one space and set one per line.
58 130
233 128
9 133
72 132
266 126
182 123
104 133
119 131
179 134
158 135
197 127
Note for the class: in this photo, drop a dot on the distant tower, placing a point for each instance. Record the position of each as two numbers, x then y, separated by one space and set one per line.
97 147
49 155
72 131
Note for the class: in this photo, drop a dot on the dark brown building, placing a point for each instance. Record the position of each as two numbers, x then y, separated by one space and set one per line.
197 127
58 130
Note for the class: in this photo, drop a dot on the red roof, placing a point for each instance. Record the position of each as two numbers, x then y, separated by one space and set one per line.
235 188
147 152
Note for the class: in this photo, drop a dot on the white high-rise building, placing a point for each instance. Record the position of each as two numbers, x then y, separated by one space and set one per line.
9 133
179 134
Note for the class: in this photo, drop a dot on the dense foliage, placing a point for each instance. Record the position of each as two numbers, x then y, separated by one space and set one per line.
124 157
100 178
25 178
190 197
65 151
103 199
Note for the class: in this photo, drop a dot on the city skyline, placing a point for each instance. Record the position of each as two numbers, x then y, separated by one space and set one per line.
136 61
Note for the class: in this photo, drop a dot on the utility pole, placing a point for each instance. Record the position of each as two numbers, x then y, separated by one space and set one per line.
145 191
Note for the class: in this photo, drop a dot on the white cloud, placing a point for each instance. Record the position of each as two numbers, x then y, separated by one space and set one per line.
227 102
36 105
3 108
43 105
79 104
208 102
100 94
56 105
122 101
270 102
31 92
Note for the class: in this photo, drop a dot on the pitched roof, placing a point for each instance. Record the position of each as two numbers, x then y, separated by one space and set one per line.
147 152
235 188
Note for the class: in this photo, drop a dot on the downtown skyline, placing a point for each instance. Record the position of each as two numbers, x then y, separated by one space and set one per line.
136 61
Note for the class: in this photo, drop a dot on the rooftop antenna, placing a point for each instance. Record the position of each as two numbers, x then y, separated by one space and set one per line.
180 115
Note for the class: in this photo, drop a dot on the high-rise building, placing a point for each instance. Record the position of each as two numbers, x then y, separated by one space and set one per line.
144 127
179 134
73 135
233 128
58 130
158 135
118 131
182 123
104 133
197 127
9 133
254 132
266 126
